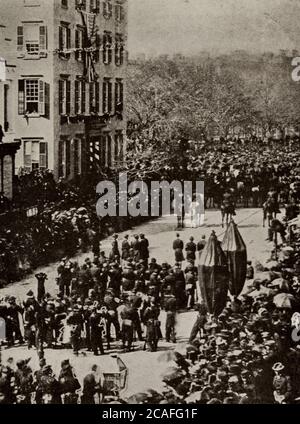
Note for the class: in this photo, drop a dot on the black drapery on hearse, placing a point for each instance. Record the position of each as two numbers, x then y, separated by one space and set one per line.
213 276
236 253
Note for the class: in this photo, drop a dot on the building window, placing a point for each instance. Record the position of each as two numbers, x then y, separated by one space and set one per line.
80 97
119 96
107 9
31 96
64 97
94 6
119 11
80 4
94 97
79 44
64 40
35 155
64 3
32 38
107 48
119 50
107 96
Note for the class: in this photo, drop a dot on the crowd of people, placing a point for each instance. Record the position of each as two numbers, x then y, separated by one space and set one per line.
249 169
248 354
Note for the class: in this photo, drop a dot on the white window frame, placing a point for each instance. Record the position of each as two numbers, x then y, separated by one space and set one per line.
42 157
34 93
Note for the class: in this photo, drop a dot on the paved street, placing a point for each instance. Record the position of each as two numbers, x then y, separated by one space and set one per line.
145 368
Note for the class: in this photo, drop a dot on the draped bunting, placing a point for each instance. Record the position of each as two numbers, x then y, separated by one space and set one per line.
236 252
213 276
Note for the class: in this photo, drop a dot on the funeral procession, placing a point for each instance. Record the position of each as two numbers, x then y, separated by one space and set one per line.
149 203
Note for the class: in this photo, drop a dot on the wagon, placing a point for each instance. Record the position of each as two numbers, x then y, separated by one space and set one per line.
115 376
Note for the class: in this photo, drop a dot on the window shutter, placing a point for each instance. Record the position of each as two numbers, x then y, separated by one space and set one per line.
116 95
43 162
109 100
82 97
68 38
68 97
43 38
47 100
76 97
91 97
61 149
21 97
60 38
61 97
121 100
104 47
20 38
121 148
104 97
97 97
109 158
68 158
77 44
110 49
41 98
27 154
98 43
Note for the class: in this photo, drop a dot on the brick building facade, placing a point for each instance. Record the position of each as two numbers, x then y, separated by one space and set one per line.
68 108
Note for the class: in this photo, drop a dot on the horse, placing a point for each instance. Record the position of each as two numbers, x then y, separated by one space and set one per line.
270 210
227 211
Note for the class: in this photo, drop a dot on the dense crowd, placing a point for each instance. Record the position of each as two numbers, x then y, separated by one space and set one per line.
30 239
248 354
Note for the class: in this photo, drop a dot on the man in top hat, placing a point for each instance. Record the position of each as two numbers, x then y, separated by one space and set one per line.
125 248
170 308
64 271
68 383
144 248
178 249
76 321
91 386
41 278
190 249
97 326
13 314
135 245
115 252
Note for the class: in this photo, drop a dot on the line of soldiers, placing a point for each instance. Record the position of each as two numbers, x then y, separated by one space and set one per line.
124 292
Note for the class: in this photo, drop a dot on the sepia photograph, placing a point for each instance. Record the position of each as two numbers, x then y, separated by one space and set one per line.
149 204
